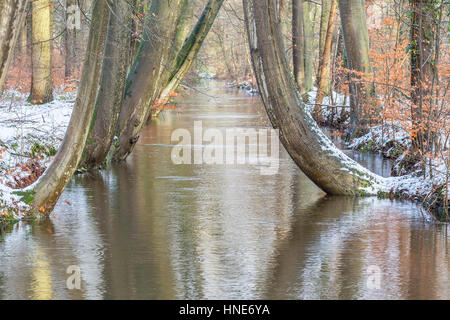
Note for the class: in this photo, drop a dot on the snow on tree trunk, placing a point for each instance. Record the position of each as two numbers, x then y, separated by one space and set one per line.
46 190
313 152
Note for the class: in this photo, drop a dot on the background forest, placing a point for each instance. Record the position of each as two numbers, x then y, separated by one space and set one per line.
375 73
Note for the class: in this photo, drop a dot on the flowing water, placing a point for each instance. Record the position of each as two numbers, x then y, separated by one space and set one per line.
149 229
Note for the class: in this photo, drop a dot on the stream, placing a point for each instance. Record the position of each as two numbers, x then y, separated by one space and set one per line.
150 229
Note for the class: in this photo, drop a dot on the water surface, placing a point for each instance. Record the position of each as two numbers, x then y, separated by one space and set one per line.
148 229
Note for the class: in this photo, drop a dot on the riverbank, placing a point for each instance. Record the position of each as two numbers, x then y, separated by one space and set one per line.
31 135
425 184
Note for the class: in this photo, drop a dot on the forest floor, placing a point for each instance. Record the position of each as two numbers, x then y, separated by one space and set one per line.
31 135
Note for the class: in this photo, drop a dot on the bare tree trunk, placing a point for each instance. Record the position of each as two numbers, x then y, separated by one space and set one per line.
308 146
192 45
23 38
41 56
48 188
183 25
325 68
308 44
12 14
110 96
356 38
70 38
298 51
145 78
423 68
324 23
324 18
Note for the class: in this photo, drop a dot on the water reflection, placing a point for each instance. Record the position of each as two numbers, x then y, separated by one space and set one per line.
150 230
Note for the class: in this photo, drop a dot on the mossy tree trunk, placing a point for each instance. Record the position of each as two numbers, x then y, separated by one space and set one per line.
49 187
308 146
112 85
191 47
12 15
41 52
144 81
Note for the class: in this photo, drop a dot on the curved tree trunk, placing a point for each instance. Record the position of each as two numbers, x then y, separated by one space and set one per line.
41 52
145 78
356 39
48 188
12 14
308 146
192 45
112 85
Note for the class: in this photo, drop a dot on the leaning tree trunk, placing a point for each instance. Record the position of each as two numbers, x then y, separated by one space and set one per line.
46 191
12 14
192 45
325 67
145 78
356 39
110 96
41 52
308 146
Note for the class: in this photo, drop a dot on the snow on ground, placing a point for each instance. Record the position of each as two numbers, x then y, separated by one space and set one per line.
392 140
35 131
29 132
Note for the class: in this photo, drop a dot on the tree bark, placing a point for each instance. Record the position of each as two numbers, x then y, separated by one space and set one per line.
144 81
49 187
308 146
298 51
12 15
192 45
423 68
324 23
70 39
325 68
356 39
112 85
41 55
308 44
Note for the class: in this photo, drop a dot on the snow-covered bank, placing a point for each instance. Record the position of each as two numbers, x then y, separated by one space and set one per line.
31 135
29 138
392 142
